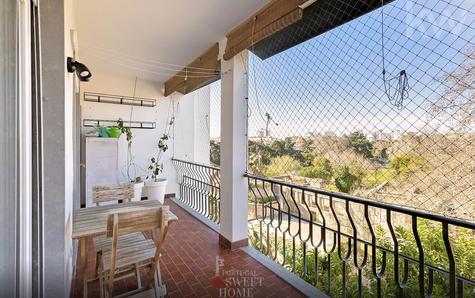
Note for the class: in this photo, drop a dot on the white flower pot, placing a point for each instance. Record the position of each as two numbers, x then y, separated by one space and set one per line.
138 187
156 189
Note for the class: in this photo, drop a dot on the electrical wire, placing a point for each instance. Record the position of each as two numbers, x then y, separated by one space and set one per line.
171 66
150 71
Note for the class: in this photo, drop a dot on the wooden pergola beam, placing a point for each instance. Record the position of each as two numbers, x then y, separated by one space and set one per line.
273 17
202 71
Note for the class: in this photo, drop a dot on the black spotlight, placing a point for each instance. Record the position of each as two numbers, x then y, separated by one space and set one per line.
83 73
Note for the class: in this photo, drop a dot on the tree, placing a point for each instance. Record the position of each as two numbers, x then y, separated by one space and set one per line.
457 102
345 180
360 144
215 152
320 168
281 165
285 147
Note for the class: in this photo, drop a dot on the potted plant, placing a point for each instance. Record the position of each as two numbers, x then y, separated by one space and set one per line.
156 187
102 131
138 187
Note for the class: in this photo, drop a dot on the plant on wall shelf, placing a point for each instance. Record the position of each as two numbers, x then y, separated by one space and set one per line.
125 130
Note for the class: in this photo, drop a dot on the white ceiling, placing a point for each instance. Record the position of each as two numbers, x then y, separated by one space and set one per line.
141 38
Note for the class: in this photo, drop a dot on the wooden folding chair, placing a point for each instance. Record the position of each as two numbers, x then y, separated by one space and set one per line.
123 261
113 192
109 193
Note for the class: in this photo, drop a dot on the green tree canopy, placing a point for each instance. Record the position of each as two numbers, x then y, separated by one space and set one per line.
407 164
281 165
360 144
320 168
346 179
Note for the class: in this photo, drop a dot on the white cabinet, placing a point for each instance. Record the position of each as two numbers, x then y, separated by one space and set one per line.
101 164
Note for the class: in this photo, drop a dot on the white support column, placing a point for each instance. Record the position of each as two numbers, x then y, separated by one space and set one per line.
234 187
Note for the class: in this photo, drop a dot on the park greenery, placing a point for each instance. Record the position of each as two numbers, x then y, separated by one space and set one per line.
342 163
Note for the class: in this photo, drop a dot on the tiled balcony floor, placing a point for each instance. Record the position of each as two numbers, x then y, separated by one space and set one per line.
188 266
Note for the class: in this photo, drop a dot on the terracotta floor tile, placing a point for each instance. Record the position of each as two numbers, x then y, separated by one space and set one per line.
188 265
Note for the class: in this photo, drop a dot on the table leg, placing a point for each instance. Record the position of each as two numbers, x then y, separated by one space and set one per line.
83 248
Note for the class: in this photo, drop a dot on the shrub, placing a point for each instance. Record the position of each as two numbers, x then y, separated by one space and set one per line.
281 165
346 179
406 164
320 168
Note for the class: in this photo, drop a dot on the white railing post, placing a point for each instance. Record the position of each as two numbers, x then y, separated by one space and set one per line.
234 187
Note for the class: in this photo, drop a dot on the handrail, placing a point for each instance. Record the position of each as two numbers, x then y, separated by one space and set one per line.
355 199
197 163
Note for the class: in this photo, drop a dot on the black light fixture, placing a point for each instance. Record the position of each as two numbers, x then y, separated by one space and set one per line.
83 73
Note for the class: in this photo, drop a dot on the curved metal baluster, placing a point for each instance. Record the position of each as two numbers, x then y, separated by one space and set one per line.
288 210
459 288
279 222
271 215
378 274
189 185
261 219
343 258
298 232
309 235
212 199
274 223
200 189
421 256
254 194
401 285
193 186
328 252
206 191
218 194
430 283
322 231
361 265
450 255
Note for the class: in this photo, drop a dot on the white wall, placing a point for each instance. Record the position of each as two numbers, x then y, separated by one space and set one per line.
189 138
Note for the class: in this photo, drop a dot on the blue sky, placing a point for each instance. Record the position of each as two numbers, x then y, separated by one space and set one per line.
333 82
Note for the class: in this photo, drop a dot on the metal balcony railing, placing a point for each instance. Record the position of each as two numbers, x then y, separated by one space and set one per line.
349 246
343 244
199 187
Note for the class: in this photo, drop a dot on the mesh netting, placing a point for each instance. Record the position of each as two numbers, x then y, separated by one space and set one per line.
215 122
319 113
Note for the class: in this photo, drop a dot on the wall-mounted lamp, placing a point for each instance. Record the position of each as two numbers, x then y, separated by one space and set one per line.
83 73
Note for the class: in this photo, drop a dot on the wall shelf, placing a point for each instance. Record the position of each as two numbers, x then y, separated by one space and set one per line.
119 99
130 124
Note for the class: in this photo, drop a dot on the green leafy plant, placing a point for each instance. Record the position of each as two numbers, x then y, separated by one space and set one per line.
156 166
320 168
346 180
407 164
281 165
125 130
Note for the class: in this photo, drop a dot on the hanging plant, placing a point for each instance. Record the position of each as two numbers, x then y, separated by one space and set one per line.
156 166
125 130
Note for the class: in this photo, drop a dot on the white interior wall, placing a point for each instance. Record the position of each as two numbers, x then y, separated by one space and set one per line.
189 138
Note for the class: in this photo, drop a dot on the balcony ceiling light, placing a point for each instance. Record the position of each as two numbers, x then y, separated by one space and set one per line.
83 73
